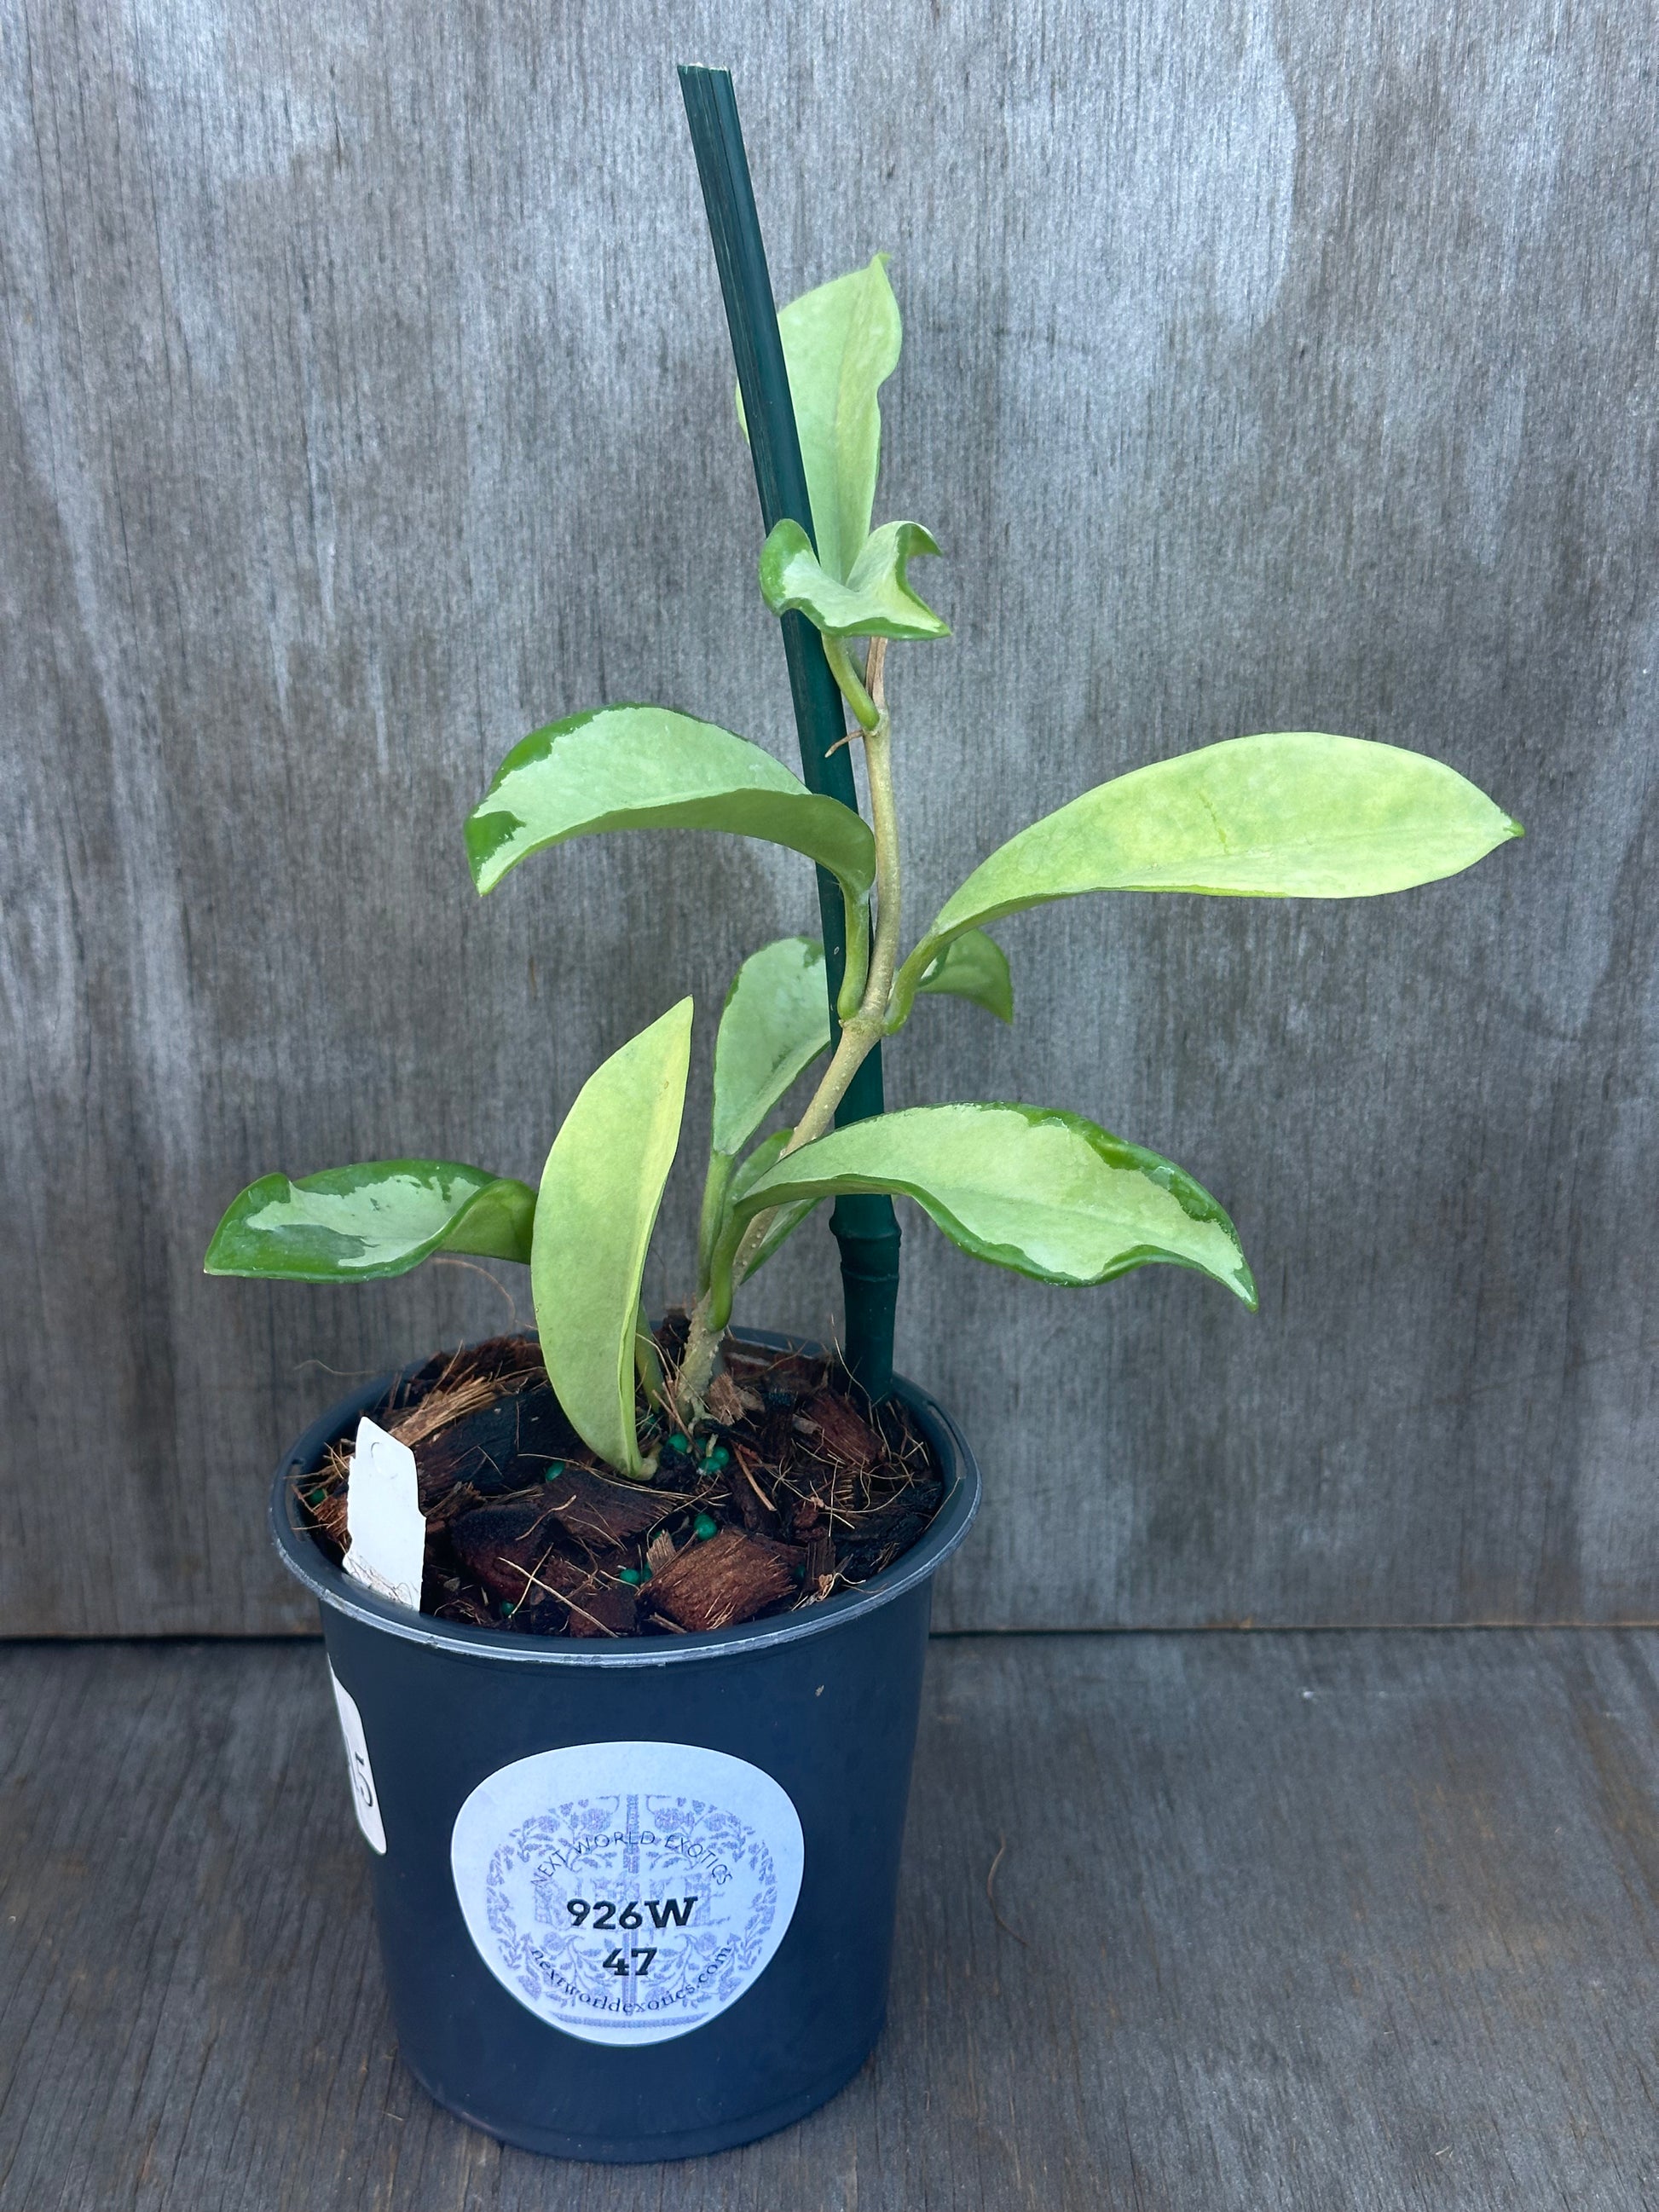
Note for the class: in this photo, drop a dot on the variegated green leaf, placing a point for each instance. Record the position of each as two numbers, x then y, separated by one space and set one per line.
359 1223
1288 814
840 344
1048 1194
774 1023
648 768
974 966
600 1191
877 599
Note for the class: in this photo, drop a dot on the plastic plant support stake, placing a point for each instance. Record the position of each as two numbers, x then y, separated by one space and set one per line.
384 1518
864 1224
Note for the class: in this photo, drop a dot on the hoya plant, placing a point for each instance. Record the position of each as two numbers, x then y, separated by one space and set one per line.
1044 1191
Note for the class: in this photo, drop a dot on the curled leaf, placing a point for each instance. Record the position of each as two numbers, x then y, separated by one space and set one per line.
974 966
382 1217
1047 1193
648 768
877 599
840 344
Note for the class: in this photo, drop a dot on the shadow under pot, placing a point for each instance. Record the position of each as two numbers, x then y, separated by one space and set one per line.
635 1899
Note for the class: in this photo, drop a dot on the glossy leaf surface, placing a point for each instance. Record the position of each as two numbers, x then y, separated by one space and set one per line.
975 966
877 599
648 768
840 344
359 1223
774 1023
1290 814
597 1204
1047 1193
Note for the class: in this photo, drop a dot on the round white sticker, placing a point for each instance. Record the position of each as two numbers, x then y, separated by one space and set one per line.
627 1893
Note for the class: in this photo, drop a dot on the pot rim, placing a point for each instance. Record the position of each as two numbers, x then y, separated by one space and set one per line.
331 1586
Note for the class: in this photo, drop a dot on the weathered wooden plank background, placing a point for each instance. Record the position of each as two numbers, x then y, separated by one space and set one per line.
1286 1922
365 402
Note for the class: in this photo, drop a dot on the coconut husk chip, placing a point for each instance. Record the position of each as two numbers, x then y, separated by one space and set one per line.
731 1577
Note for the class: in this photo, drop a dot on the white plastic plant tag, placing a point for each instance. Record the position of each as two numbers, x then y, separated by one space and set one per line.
627 1893
384 1518
367 1804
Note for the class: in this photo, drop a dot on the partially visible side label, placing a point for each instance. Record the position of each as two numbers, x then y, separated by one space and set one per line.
627 1893
362 1774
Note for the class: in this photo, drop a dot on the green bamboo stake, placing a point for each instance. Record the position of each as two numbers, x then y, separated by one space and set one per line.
865 1227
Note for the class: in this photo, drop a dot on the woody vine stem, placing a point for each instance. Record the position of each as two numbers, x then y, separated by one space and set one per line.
861 1028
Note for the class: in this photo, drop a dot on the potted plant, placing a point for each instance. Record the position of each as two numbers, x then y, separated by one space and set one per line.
627 1626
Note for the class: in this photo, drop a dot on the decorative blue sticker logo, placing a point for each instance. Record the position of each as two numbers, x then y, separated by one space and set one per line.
627 1893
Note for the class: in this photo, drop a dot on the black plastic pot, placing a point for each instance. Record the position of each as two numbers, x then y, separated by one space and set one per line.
635 1899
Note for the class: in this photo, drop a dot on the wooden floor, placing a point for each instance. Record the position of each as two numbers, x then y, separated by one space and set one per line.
1334 1921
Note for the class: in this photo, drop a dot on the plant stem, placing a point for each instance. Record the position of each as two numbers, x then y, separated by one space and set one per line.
859 1035
853 689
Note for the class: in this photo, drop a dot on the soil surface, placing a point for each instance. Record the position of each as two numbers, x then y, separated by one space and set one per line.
793 1488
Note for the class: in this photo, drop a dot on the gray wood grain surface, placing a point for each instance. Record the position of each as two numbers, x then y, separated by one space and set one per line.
1287 1922
365 403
